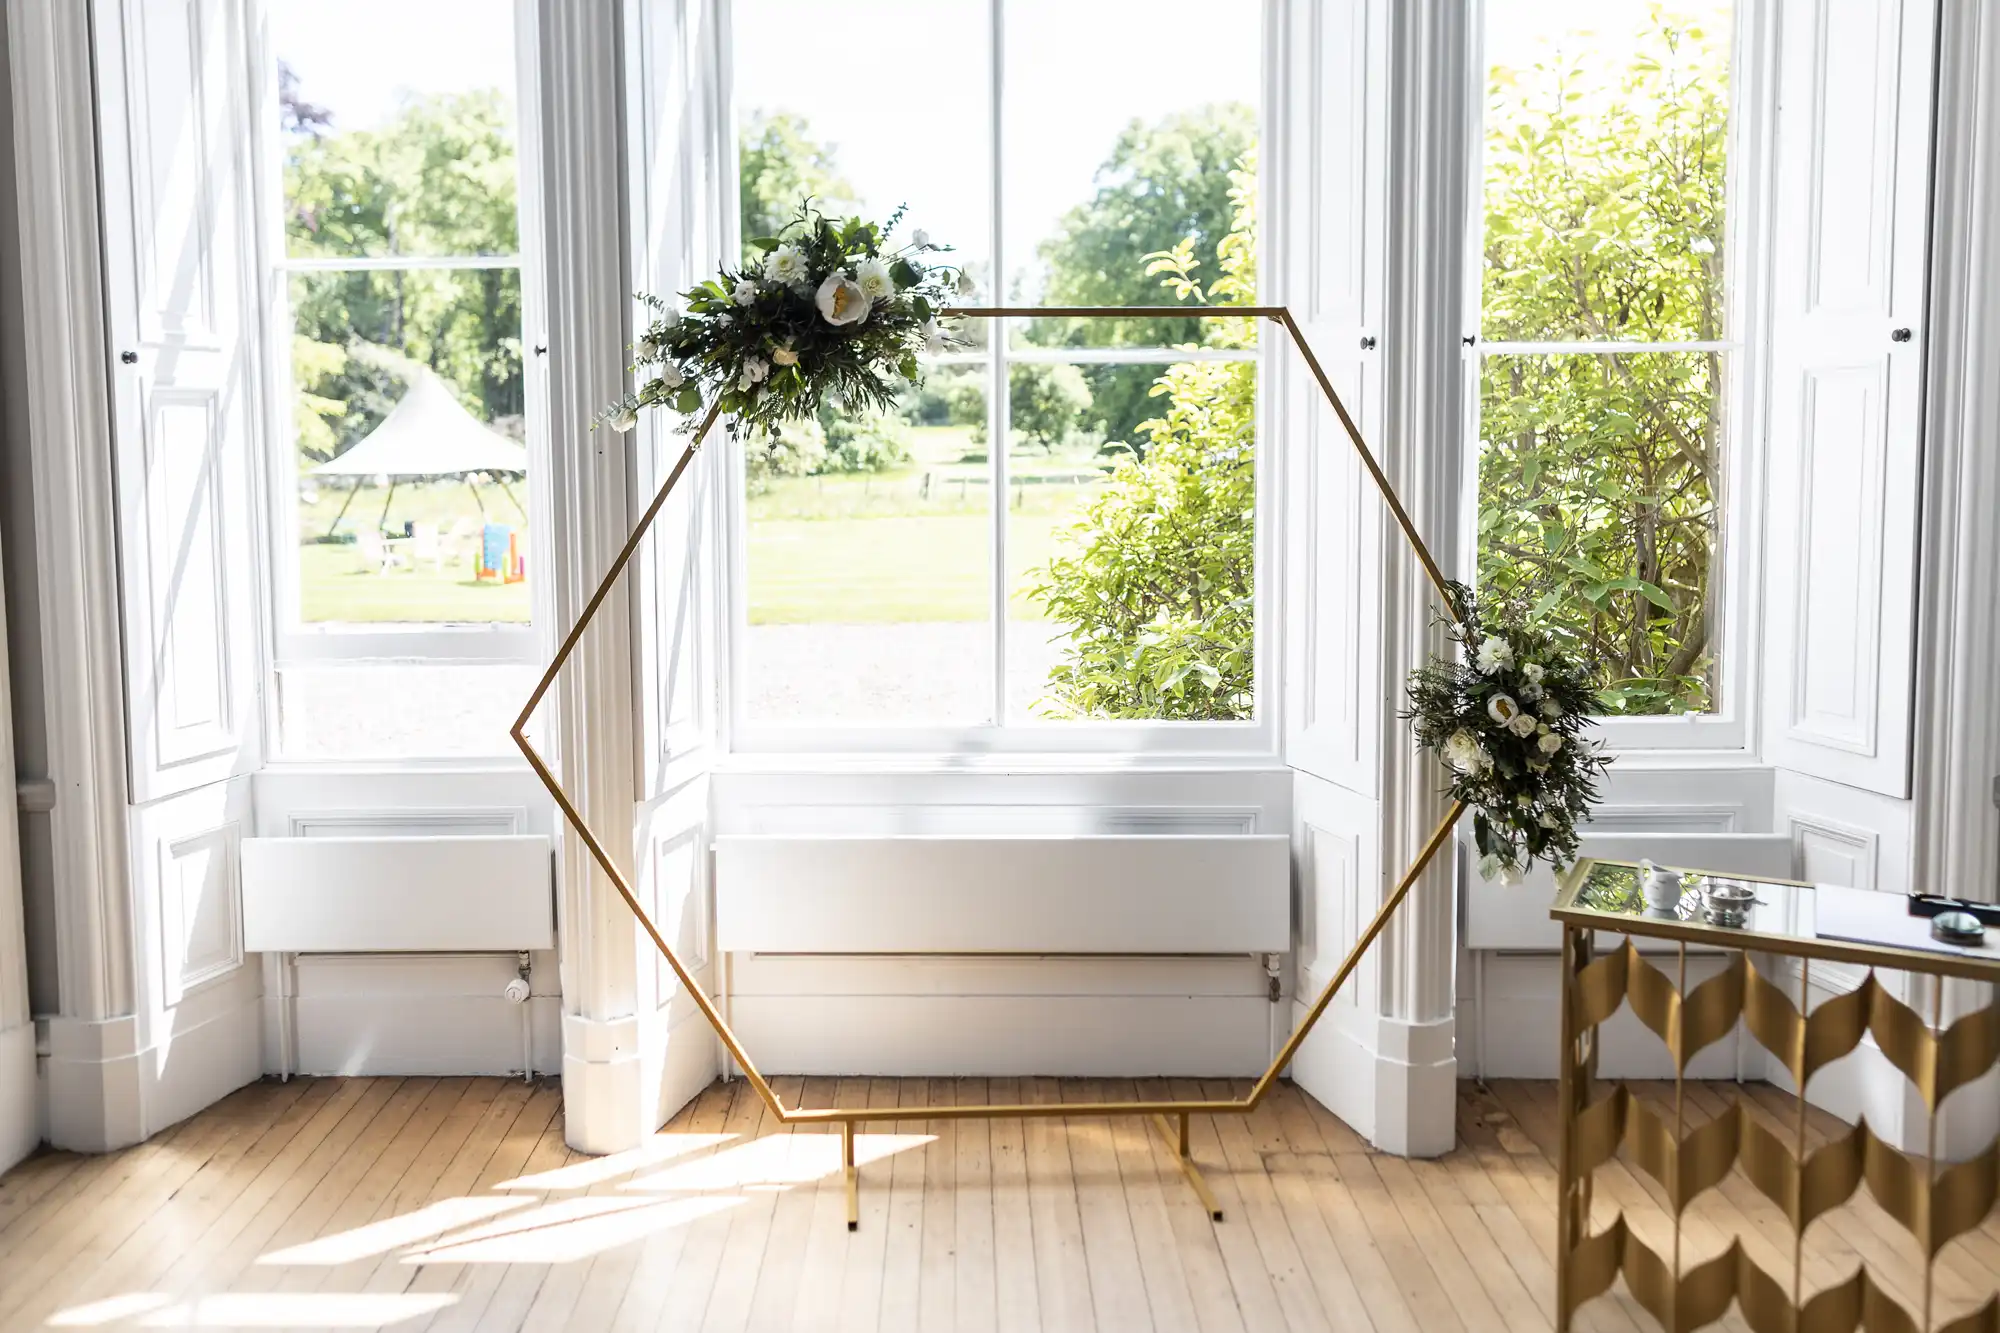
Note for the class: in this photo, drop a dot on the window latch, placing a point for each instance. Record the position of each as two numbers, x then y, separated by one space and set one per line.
1468 340
1368 342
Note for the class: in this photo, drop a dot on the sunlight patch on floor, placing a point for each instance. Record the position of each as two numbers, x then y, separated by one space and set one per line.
571 1230
780 1159
393 1233
303 1310
582 1175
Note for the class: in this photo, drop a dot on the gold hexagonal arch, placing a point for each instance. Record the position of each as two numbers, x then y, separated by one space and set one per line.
1176 1131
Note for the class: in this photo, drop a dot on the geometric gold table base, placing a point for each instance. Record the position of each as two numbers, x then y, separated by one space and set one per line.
1934 1206
1172 1116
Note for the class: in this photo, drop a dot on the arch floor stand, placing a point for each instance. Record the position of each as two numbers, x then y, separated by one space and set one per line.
1171 1117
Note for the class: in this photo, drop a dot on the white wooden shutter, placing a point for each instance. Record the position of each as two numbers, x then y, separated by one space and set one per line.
1853 154
1331 145
174 119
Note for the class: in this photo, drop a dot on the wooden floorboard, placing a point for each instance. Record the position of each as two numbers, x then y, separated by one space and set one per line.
452 1203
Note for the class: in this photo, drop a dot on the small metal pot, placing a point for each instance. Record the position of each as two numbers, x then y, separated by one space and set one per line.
1729 905
1958 928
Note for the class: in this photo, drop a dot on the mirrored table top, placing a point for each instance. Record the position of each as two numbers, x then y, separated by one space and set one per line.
1788 917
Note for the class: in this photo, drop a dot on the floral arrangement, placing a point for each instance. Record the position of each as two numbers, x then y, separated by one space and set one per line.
828 314
1508 717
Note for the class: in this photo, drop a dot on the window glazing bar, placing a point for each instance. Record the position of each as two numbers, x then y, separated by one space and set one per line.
393 263
1603 348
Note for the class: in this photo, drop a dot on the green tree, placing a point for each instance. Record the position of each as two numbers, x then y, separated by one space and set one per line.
1163 184
438 179
1045 403
1598 474
781 163
1156 583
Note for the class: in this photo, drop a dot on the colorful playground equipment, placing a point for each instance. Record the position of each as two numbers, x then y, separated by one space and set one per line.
499 556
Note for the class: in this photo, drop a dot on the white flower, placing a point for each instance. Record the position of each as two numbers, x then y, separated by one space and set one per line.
1531 691
650 348
841 300
921 239
754 371
1521 724
1463 752
1550 743
624 419
670 315
1551 709
784 356
873 277
966 286
935 338
1533 671
785 265
1495 653
670 375
745 293
1502 709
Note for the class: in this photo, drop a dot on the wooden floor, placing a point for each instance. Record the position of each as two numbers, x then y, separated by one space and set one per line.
453 1204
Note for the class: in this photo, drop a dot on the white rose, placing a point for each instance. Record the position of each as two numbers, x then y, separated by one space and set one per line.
1495 653
935 338
872 276
1521 724
1533 671
785 265
1550 743
966 286
670 375
624 419
754 371
1531 691
1463 752
841 300
670 315
784 356
1551 709
650 348
921 239
1502 709
745 293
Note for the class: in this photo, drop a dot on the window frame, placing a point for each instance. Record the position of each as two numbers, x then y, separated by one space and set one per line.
1151 742
1728 731
292 641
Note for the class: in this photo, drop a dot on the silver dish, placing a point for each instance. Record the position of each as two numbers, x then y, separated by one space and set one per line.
1958 928
1729 905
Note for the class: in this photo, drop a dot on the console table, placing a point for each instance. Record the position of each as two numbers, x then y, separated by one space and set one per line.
1811 925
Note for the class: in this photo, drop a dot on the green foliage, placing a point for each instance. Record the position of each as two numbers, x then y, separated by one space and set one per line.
1507 716
437 179
1046 403
1156 583
829 444
1598 475
797 330
781 163
1163 184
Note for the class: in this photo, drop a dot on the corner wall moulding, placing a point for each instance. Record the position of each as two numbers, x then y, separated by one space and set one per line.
1176 1128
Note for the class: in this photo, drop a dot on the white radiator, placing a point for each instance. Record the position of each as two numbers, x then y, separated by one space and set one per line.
1111 894
386 895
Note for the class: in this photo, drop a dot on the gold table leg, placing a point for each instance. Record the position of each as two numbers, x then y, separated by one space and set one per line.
852 1173
1179 1143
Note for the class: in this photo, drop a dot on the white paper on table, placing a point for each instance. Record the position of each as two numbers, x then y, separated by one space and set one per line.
1867 917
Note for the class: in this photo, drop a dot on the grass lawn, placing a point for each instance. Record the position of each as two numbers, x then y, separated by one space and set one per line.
336 584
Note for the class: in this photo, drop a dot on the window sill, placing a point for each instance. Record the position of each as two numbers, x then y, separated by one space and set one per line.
1023 764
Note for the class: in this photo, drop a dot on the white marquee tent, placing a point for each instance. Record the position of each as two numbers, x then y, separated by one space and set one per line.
429 434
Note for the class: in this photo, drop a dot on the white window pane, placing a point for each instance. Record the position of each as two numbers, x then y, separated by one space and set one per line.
1131 558
1597 513
400 710
867 106
869 573
397 119
1110 159
410 448
1605 166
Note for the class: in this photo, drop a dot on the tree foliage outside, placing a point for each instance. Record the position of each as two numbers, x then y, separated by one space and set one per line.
1157 582
1163 184
780 163
437 179
1599 473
